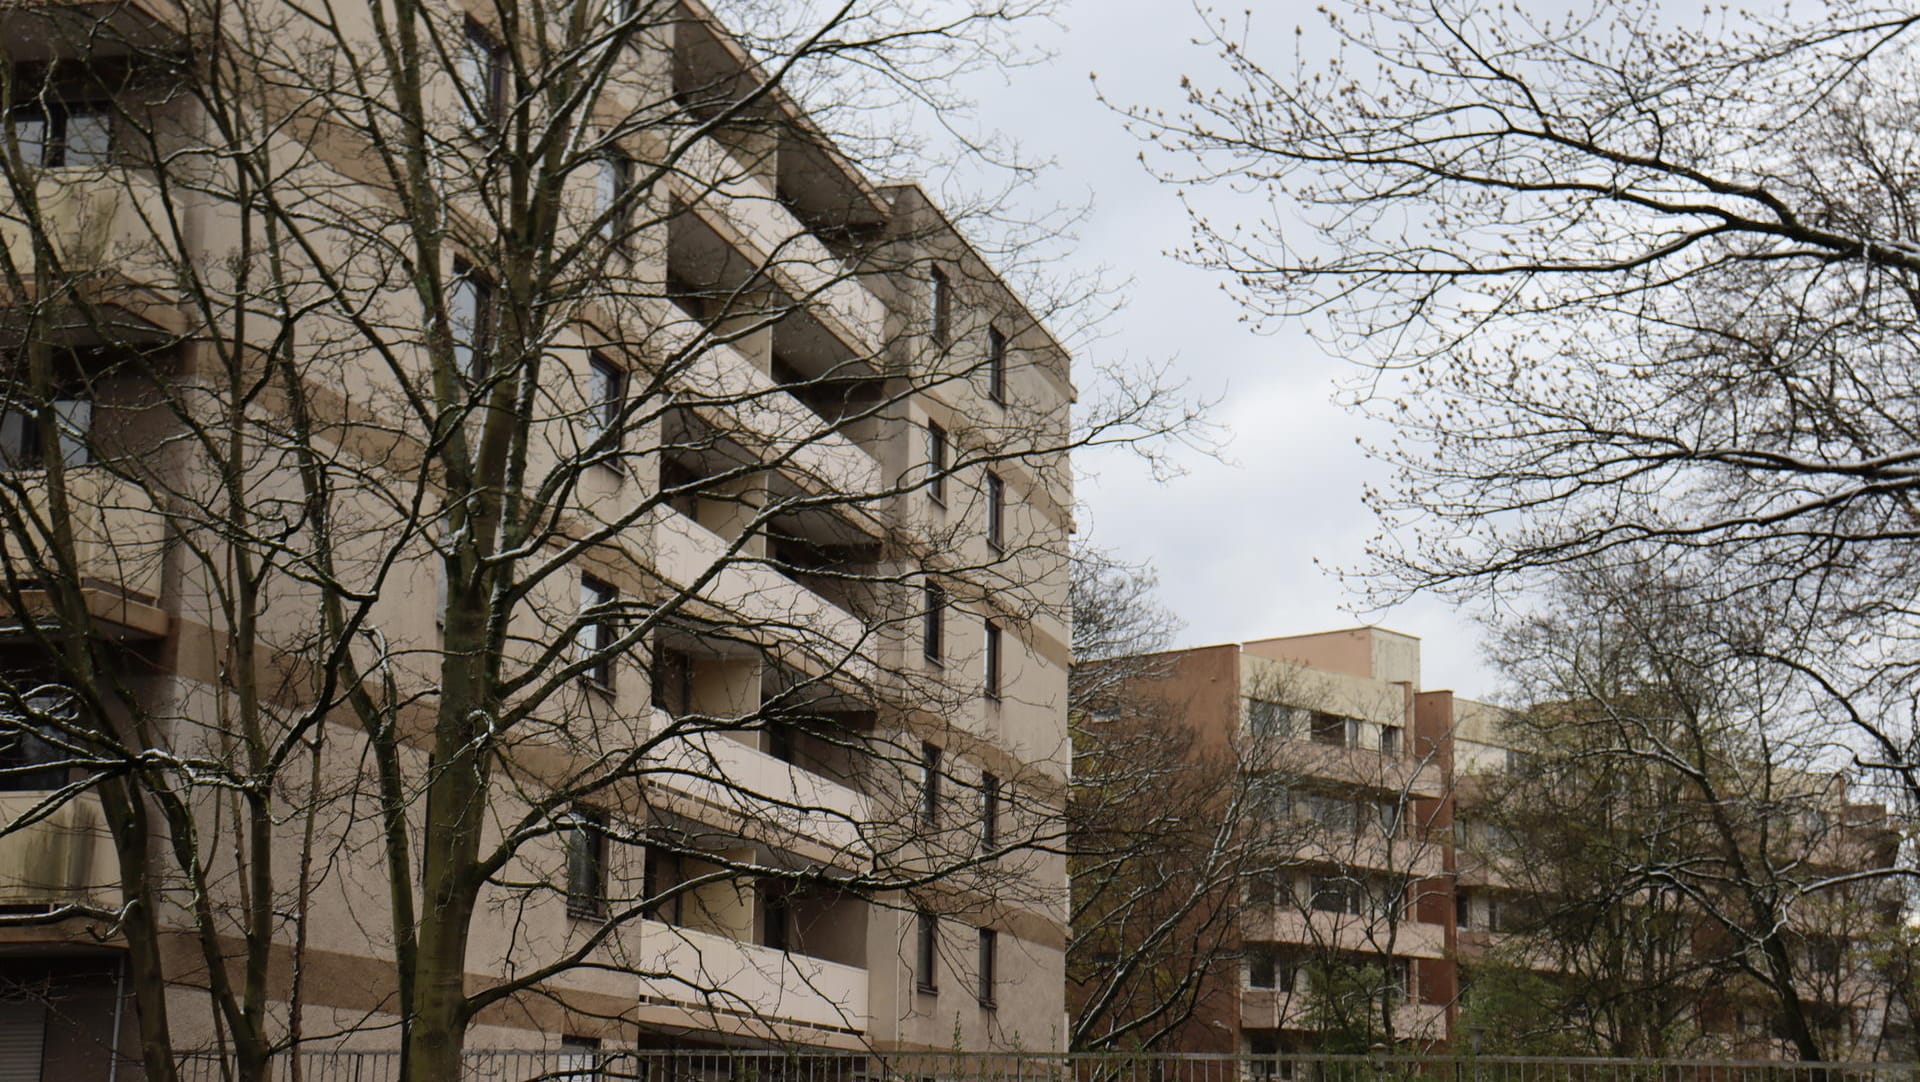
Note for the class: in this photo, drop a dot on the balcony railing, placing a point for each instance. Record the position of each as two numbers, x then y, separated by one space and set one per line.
66 858
119 538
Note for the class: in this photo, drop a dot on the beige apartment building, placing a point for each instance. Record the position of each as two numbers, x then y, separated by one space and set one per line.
1386 882
506 521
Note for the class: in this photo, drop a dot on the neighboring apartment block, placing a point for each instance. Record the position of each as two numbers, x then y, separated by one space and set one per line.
1383 882
508 528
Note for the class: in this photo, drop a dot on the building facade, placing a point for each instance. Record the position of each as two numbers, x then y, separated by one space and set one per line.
1402 860
509 529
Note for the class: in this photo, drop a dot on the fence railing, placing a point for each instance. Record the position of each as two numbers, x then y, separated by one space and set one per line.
580 1065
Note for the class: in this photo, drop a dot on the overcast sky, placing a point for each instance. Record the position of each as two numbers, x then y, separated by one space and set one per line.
1235 542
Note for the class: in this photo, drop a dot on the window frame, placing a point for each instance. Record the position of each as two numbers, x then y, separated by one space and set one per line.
926 952
607 381
996 513
468 278
56 123
586 846
937 458
29 756
612 187
993 664
481 70
597 633
996 365
941 304
933 631
681 669
990 789
932 757
988 968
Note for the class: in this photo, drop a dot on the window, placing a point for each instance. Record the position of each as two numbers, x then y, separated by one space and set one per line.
1260 968
1389 813
942 307
597 631
29 732
777 919
996 512
20 432
926 950
65 134
996 365
1269 720
989 965
1333 894
937 464
470 316
661 873
606 391
1462 908
993 661
672 681
932 623
481 69
613 188
587 864
1400 979
581 1057
1335 731
1390 741
930 784
989 811
1337 814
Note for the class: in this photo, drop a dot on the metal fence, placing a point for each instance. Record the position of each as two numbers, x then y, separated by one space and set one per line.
571 1065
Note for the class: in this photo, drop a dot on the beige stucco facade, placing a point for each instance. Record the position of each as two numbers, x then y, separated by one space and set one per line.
821 967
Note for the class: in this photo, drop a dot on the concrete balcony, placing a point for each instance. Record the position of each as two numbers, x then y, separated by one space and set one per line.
1347 932
1371 851
1358 768
1273 1008
35 31
767 984
119 539
747 400
64 859
788 806
750 597
100 224
746 202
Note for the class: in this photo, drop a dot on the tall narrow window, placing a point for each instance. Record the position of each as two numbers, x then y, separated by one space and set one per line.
481 69
993 661
612 196
933 623
1260 967
1390 741
587 864
606 391
778 920
996 513
926 950
989 811
996 365
661 874
470 313
596 630
937 464
942 307
672 681
930 784
989 965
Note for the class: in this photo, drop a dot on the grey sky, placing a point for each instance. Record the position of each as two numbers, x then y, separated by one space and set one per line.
1235 542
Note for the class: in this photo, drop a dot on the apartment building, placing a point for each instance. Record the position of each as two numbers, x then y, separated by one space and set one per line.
509 532
1402 853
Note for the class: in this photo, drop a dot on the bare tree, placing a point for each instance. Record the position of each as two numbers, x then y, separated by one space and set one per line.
1628 290
1676 848
499 486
